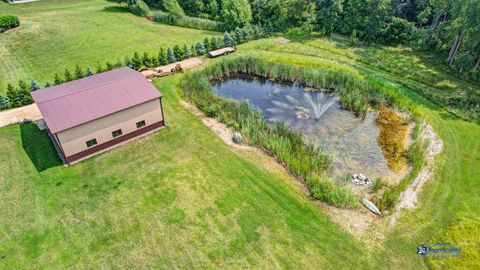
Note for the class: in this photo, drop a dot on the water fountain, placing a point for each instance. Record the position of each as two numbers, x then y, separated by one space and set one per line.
319 117
320 102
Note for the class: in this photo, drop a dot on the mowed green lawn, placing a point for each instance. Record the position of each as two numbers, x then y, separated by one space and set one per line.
57 34
182 199
179 199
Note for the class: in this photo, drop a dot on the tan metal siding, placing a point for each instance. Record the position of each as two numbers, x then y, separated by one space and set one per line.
74 140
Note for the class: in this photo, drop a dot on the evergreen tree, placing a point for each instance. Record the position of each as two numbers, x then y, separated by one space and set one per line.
227 40
236 13
177 50
258 32
238 35
192 51
214 43
200 49
67 76
171 56
34 85
248 33
22 86
88 72
146 60
48 84
109 66
4 104
57 80
24 93
13 96
206 45
162 57
99 68
118 63
136 61
186 51
78 72
128 62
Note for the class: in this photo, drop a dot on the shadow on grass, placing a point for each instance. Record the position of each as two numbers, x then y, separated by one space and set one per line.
39 148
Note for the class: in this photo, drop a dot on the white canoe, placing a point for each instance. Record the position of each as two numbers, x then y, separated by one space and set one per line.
371 207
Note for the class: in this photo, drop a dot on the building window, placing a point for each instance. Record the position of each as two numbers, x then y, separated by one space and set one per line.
141 124
91 143
117 133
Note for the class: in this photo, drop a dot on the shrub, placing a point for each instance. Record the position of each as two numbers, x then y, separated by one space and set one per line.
326 191
401 31
377 185
9 21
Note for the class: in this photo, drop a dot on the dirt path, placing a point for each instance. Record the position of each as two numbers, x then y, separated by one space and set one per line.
408 198
17 115
185 64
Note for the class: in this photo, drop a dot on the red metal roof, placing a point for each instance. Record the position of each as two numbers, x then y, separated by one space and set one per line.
77 102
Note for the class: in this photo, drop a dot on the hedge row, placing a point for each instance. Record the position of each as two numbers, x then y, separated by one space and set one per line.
189 22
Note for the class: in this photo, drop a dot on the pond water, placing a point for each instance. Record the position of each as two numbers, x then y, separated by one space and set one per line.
318 116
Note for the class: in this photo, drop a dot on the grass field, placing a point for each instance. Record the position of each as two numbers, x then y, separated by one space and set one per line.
176 199
56 34
181 198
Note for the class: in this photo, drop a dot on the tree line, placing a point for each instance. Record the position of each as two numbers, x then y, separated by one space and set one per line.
19 95
450 28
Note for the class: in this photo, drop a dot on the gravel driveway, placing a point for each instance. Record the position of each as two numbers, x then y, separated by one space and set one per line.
17 115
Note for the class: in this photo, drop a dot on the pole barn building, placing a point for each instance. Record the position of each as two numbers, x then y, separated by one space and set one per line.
96 113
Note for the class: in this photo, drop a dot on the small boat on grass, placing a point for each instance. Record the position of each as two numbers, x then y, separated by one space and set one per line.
371 207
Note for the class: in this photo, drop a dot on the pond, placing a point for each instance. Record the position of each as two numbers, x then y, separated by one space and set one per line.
317 115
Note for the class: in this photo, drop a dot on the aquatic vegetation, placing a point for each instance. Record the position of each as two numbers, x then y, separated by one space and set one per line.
393 132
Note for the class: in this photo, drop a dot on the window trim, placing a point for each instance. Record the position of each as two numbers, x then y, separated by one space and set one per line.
142 124
93 142
116 131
